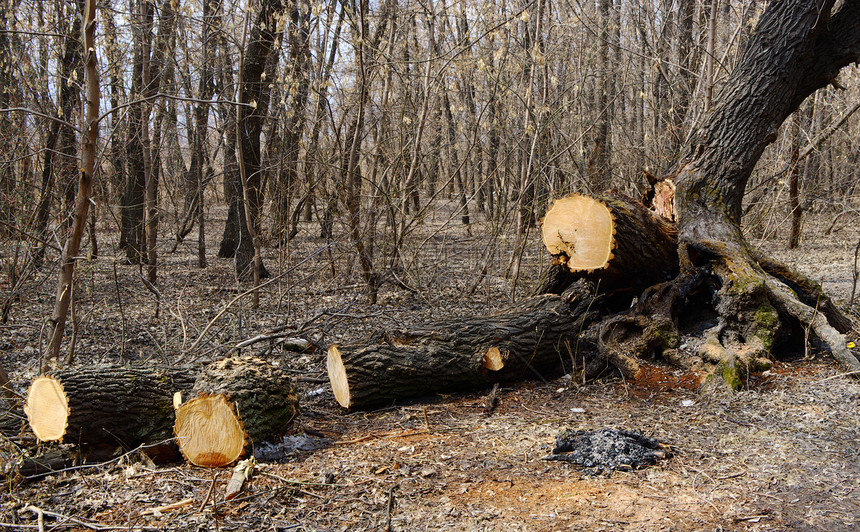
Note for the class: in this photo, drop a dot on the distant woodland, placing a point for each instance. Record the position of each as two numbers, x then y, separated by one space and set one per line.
360 118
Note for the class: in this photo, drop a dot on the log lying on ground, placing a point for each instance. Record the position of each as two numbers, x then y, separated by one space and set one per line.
130 406
118 405
535 339
265 396
611 238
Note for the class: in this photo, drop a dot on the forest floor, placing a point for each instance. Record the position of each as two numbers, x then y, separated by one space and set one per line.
782 454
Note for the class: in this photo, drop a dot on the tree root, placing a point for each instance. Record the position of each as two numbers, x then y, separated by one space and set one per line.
744 310
787 303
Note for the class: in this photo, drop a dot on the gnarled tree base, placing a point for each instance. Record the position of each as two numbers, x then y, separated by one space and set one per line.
736 309
738 314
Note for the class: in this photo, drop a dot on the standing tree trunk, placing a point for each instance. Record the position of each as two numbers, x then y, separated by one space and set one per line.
798 47
160 76
132 237
254 108
600 159
59 131
299 78
88 157
351 176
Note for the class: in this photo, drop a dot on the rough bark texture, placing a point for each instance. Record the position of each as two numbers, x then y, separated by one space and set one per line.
265 396
537 339
121 406
134 405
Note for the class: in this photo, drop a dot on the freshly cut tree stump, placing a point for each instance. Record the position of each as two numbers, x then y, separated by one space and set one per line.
611 239
208 432
537 338
265 396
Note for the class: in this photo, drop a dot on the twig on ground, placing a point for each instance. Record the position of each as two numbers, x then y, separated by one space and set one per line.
390 508
86 524
40 516
167 507
208 493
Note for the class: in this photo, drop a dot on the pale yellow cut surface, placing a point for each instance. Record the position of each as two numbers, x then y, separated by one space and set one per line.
582 229
493 359
208 432
337 376
47 408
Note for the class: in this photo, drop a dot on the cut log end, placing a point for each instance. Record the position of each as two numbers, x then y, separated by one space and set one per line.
337 377
208 431
581 230
47 409
493 359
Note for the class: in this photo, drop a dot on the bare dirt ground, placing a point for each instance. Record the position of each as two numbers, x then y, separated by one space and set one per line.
783 454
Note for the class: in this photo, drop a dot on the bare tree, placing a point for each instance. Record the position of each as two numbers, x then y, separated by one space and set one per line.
65 284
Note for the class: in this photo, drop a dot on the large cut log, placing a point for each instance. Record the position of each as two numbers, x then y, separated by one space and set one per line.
130 406
611 239
265 396
537 338
106 404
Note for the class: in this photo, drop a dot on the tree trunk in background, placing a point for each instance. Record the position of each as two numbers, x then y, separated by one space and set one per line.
231 180
7 90
313 168
61 141
194 179
350 177
298 74
160 77
133 235
710 50
117 132
255 93
795 131
686 73
600 159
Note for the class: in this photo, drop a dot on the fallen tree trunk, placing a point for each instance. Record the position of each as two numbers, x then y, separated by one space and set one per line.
610 239
135 405
536 339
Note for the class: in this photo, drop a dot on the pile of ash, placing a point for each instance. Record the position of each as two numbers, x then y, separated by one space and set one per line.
607 450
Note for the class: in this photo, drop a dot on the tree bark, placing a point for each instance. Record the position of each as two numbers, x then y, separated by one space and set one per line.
120 406
611 240
134 405
539 338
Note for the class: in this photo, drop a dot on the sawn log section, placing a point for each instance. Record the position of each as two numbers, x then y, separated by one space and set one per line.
130 406
535 339
610 239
